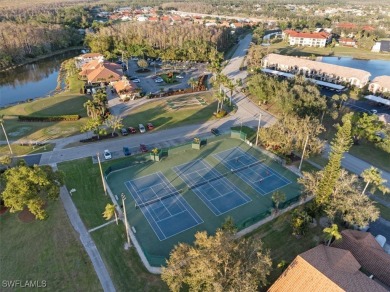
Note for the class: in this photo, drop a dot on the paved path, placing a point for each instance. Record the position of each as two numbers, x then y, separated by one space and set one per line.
87 241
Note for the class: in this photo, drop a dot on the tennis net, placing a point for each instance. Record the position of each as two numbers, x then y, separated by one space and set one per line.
144 204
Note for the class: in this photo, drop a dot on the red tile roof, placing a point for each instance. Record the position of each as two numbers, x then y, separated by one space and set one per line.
346 25
310 35
105 72
323 269
367 252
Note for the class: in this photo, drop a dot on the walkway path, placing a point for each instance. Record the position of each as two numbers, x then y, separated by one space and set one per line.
86 240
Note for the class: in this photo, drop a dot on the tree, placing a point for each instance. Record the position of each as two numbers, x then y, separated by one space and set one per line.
109 212
330 232
340 144
218 263
278 197
113 122
300 222
6 160
373 176
30 187
230 84
143 64
366 126
93 124
192 82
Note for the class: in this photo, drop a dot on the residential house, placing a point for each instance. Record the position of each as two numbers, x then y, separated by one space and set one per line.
382 46
380 84
346 25
125 88
324 269
89 67
317 70
310 39
348 42
367 252
153 18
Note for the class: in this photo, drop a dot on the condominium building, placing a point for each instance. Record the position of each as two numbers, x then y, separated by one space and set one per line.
309 39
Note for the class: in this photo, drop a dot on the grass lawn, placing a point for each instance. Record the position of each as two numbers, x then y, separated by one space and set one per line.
24 150
285 49
385 211
64 103
168 80
125 267
371 154
162 116
45 250
277 237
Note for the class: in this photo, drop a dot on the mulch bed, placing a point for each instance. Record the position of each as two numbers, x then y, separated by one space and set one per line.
3 210
101 137
26 216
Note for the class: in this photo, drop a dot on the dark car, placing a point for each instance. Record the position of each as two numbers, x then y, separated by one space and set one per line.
126 151
143 148
124 132
215 131
132 130
149 126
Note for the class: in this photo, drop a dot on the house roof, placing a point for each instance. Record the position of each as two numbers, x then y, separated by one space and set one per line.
367 252
105 72
91 55
124 85
346 25
330 69
383 81
325 268
307 35
89 67
346 40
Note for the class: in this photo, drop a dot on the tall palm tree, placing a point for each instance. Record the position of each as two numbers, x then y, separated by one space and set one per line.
230 84
330 232
192 82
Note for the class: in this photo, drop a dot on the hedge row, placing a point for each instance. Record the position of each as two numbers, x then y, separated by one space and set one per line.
66 118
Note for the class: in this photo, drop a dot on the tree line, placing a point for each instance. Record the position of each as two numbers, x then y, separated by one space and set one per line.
172 42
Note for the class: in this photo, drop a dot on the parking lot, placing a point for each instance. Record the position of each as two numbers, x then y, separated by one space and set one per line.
147 80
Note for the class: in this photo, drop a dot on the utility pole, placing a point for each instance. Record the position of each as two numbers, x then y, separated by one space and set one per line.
303 154
5 134
258 130
101 174
126 224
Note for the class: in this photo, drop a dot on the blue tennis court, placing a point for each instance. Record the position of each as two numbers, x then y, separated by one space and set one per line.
167 212
259 176
219 194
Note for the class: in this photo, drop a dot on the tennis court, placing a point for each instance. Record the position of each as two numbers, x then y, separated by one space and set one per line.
166 211
215 190
256 174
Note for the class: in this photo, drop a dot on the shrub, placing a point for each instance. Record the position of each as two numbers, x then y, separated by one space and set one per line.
63 118
221 114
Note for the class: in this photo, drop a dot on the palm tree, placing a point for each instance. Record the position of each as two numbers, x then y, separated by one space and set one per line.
5 133
109 212
330 232
192 82
220 96
373 176
229 84
278 197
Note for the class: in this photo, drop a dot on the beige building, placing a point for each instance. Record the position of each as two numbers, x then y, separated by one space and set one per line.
317 70
380 84
308 39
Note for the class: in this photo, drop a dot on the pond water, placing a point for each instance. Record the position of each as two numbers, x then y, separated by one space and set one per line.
32 80
375 67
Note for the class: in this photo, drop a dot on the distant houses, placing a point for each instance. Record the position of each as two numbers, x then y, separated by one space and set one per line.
317 70
310 39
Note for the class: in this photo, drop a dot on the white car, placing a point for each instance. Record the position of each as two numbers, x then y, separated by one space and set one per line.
179 77
136 80
107 154
158 80
141 128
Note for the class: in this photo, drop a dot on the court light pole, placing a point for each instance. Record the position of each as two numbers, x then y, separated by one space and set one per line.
5 134
101 174
126 224
303 153
258 130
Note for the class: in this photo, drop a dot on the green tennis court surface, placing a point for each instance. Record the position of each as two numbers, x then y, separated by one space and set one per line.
191 190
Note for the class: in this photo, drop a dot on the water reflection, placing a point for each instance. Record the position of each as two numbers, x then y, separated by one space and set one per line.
33 80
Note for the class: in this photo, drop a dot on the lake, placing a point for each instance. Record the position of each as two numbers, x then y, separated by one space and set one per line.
375 67
32 80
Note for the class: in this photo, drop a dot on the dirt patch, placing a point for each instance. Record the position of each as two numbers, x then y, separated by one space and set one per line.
26 216
3 210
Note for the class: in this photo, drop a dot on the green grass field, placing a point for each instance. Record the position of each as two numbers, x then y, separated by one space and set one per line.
124 267
24 150
156 250
162 116
47 250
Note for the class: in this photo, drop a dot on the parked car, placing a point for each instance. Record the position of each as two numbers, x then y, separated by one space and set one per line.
373 111
126 151
136 80
107 154
215 131
158 80
141 128
149 126
143 148
124 132
179 77
132 130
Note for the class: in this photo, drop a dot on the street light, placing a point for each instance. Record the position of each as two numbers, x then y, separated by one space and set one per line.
258 129
126 224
